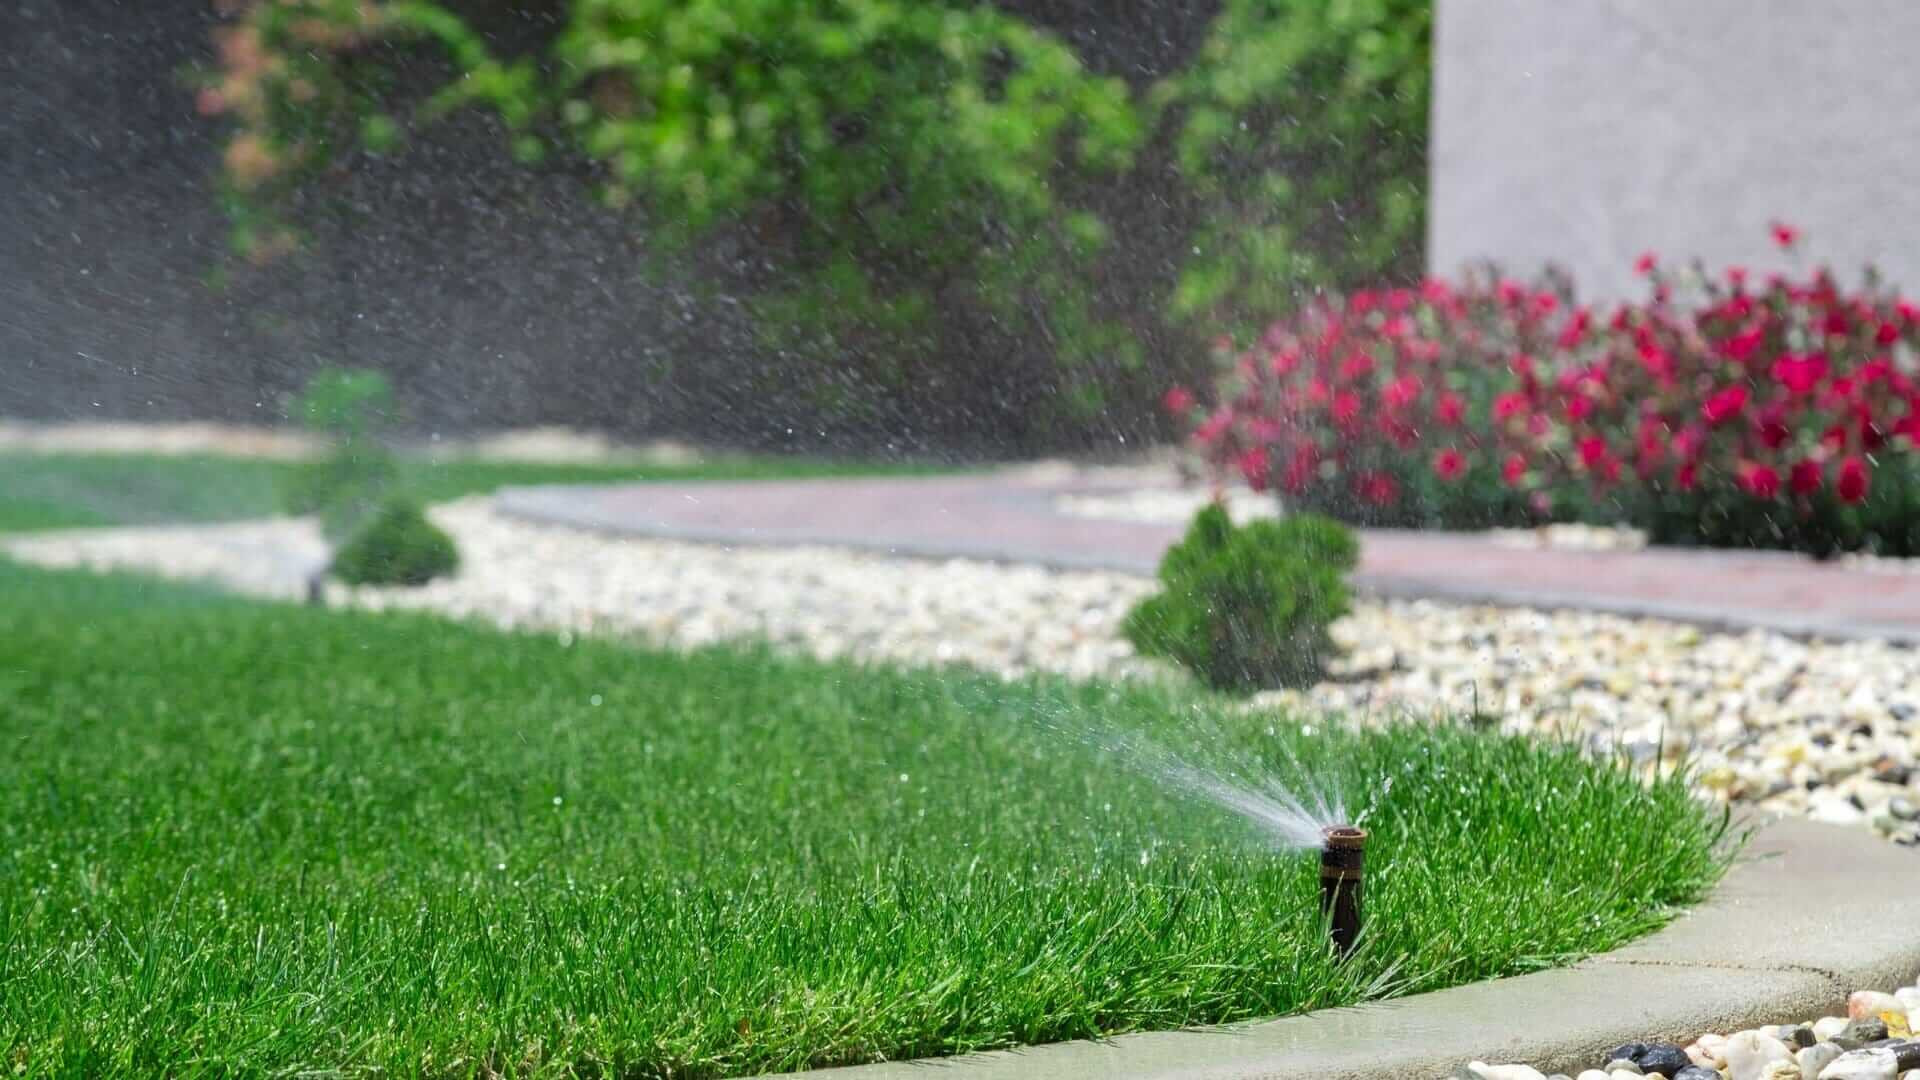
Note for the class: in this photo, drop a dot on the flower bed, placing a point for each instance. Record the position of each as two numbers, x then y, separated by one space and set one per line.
1720 410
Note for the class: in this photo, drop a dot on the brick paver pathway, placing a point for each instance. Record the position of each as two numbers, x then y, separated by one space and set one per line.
1011 517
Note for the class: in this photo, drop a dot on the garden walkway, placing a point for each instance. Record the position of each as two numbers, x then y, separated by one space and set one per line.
1012 517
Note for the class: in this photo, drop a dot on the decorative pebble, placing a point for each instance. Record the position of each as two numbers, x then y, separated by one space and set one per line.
1662 1059
1749 1053
1862 1004
1828 1026
1626 1052
1876 1064
1506 1072
1859 1033
1814 1058
1697 1072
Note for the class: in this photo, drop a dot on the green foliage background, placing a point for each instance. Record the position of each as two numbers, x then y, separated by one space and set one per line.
933 202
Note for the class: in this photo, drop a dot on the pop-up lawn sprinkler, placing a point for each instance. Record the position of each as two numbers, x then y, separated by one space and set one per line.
1343 866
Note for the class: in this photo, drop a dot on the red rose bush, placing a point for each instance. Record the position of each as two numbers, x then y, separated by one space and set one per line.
1719 410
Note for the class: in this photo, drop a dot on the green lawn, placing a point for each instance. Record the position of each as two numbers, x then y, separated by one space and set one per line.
246 839
52 491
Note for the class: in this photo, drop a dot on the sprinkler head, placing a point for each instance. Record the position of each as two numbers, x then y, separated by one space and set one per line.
1343 866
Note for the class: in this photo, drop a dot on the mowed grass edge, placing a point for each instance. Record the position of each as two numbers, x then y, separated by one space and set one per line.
246 839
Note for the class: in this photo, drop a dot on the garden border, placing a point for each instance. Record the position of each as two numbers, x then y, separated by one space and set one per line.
1011 518
1811 913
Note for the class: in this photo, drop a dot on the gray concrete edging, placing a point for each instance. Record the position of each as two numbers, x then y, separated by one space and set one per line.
1810 913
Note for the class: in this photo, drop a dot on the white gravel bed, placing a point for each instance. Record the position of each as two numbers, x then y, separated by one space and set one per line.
1874 1041
515 574
1827 729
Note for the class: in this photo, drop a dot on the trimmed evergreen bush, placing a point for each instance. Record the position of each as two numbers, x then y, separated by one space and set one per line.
1248 607
398 546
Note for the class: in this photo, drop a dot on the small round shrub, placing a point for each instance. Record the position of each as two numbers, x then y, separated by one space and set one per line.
1247 607
398 546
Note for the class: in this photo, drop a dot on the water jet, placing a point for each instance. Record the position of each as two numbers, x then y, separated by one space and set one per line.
1343 860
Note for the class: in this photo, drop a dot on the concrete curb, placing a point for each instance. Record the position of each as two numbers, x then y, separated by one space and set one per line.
1811 913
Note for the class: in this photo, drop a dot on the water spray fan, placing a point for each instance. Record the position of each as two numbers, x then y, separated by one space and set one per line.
1343 867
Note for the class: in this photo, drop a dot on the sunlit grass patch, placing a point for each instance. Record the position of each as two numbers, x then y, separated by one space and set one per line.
239 838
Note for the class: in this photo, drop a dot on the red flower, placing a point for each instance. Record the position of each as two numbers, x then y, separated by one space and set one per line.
1507 406
1299 473
1357 365
1515 469
1579 406
1687 476
1688 441
1773 430
1784 234
1836 322
1449 464
1853 481
1403 434
1805 477
1657 361
1450 410
1401 392
1282 363
1575 329
1178 400
1346 406
1253 465
1593 450
1737 276
1264 430
1886 334
1800 374
1725 405
1214 427
1378 488
1646 263
1653 445
1743 345
1761 481
1872 435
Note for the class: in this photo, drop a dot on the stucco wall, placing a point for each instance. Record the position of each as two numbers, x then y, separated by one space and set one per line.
1583 132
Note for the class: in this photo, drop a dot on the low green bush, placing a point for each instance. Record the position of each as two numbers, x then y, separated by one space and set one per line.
398 546
1248 607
